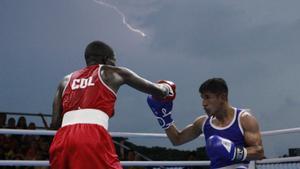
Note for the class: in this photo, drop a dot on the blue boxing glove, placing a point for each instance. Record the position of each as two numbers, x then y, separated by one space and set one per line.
221 148
162 111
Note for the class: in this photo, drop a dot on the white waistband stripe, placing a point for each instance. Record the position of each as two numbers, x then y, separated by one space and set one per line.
86 116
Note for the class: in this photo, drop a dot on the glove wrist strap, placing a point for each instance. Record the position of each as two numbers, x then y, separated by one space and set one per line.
166 121
240 154
167 125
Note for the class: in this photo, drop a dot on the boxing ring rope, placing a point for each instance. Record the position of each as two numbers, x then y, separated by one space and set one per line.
141 163
132 134
279 160
147 163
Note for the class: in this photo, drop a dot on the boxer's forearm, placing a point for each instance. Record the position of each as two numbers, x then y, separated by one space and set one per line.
178 137
173 135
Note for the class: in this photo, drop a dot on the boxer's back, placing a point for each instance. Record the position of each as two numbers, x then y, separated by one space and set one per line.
86 90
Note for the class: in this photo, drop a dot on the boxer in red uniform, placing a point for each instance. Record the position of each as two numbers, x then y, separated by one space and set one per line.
83 104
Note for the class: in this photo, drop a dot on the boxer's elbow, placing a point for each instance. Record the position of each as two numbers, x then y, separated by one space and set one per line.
260 152
177 141
55 125
256 153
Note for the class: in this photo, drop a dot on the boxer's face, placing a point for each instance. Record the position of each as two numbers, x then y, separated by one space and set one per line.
212 103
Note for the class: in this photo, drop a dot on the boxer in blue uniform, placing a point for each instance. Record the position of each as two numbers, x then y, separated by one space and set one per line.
232 135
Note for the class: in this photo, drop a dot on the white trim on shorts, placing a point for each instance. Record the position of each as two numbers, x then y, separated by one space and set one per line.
85 116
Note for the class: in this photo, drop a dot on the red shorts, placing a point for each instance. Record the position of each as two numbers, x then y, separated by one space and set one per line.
79 146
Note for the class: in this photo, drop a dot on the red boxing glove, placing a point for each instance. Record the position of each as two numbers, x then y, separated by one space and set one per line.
171 90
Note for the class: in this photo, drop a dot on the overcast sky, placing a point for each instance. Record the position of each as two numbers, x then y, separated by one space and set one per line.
254 45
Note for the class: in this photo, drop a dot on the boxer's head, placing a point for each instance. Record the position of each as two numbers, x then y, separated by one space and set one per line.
98 52
214 93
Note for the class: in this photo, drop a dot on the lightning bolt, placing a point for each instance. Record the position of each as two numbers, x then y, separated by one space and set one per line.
123 17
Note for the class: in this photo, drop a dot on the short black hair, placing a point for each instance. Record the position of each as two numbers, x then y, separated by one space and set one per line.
214 85
97 51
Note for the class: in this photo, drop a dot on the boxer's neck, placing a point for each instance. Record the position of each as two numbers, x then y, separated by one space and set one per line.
224 117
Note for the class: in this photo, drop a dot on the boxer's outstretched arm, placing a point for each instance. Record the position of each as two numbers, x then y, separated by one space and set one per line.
57 105
255 150
189 133
117 76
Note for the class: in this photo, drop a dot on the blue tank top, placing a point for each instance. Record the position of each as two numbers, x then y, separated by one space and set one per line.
233 132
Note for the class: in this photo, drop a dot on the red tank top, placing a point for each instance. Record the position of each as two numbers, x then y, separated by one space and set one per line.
86 90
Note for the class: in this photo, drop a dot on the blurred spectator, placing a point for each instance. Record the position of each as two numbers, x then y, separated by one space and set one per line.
2 154
29 139
32 152
12 146
2 139
191 157
2 151
20 153
133 156
11 124
5 143
31 126
22 124
130 155
2 120
22 147
43 153
121 150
